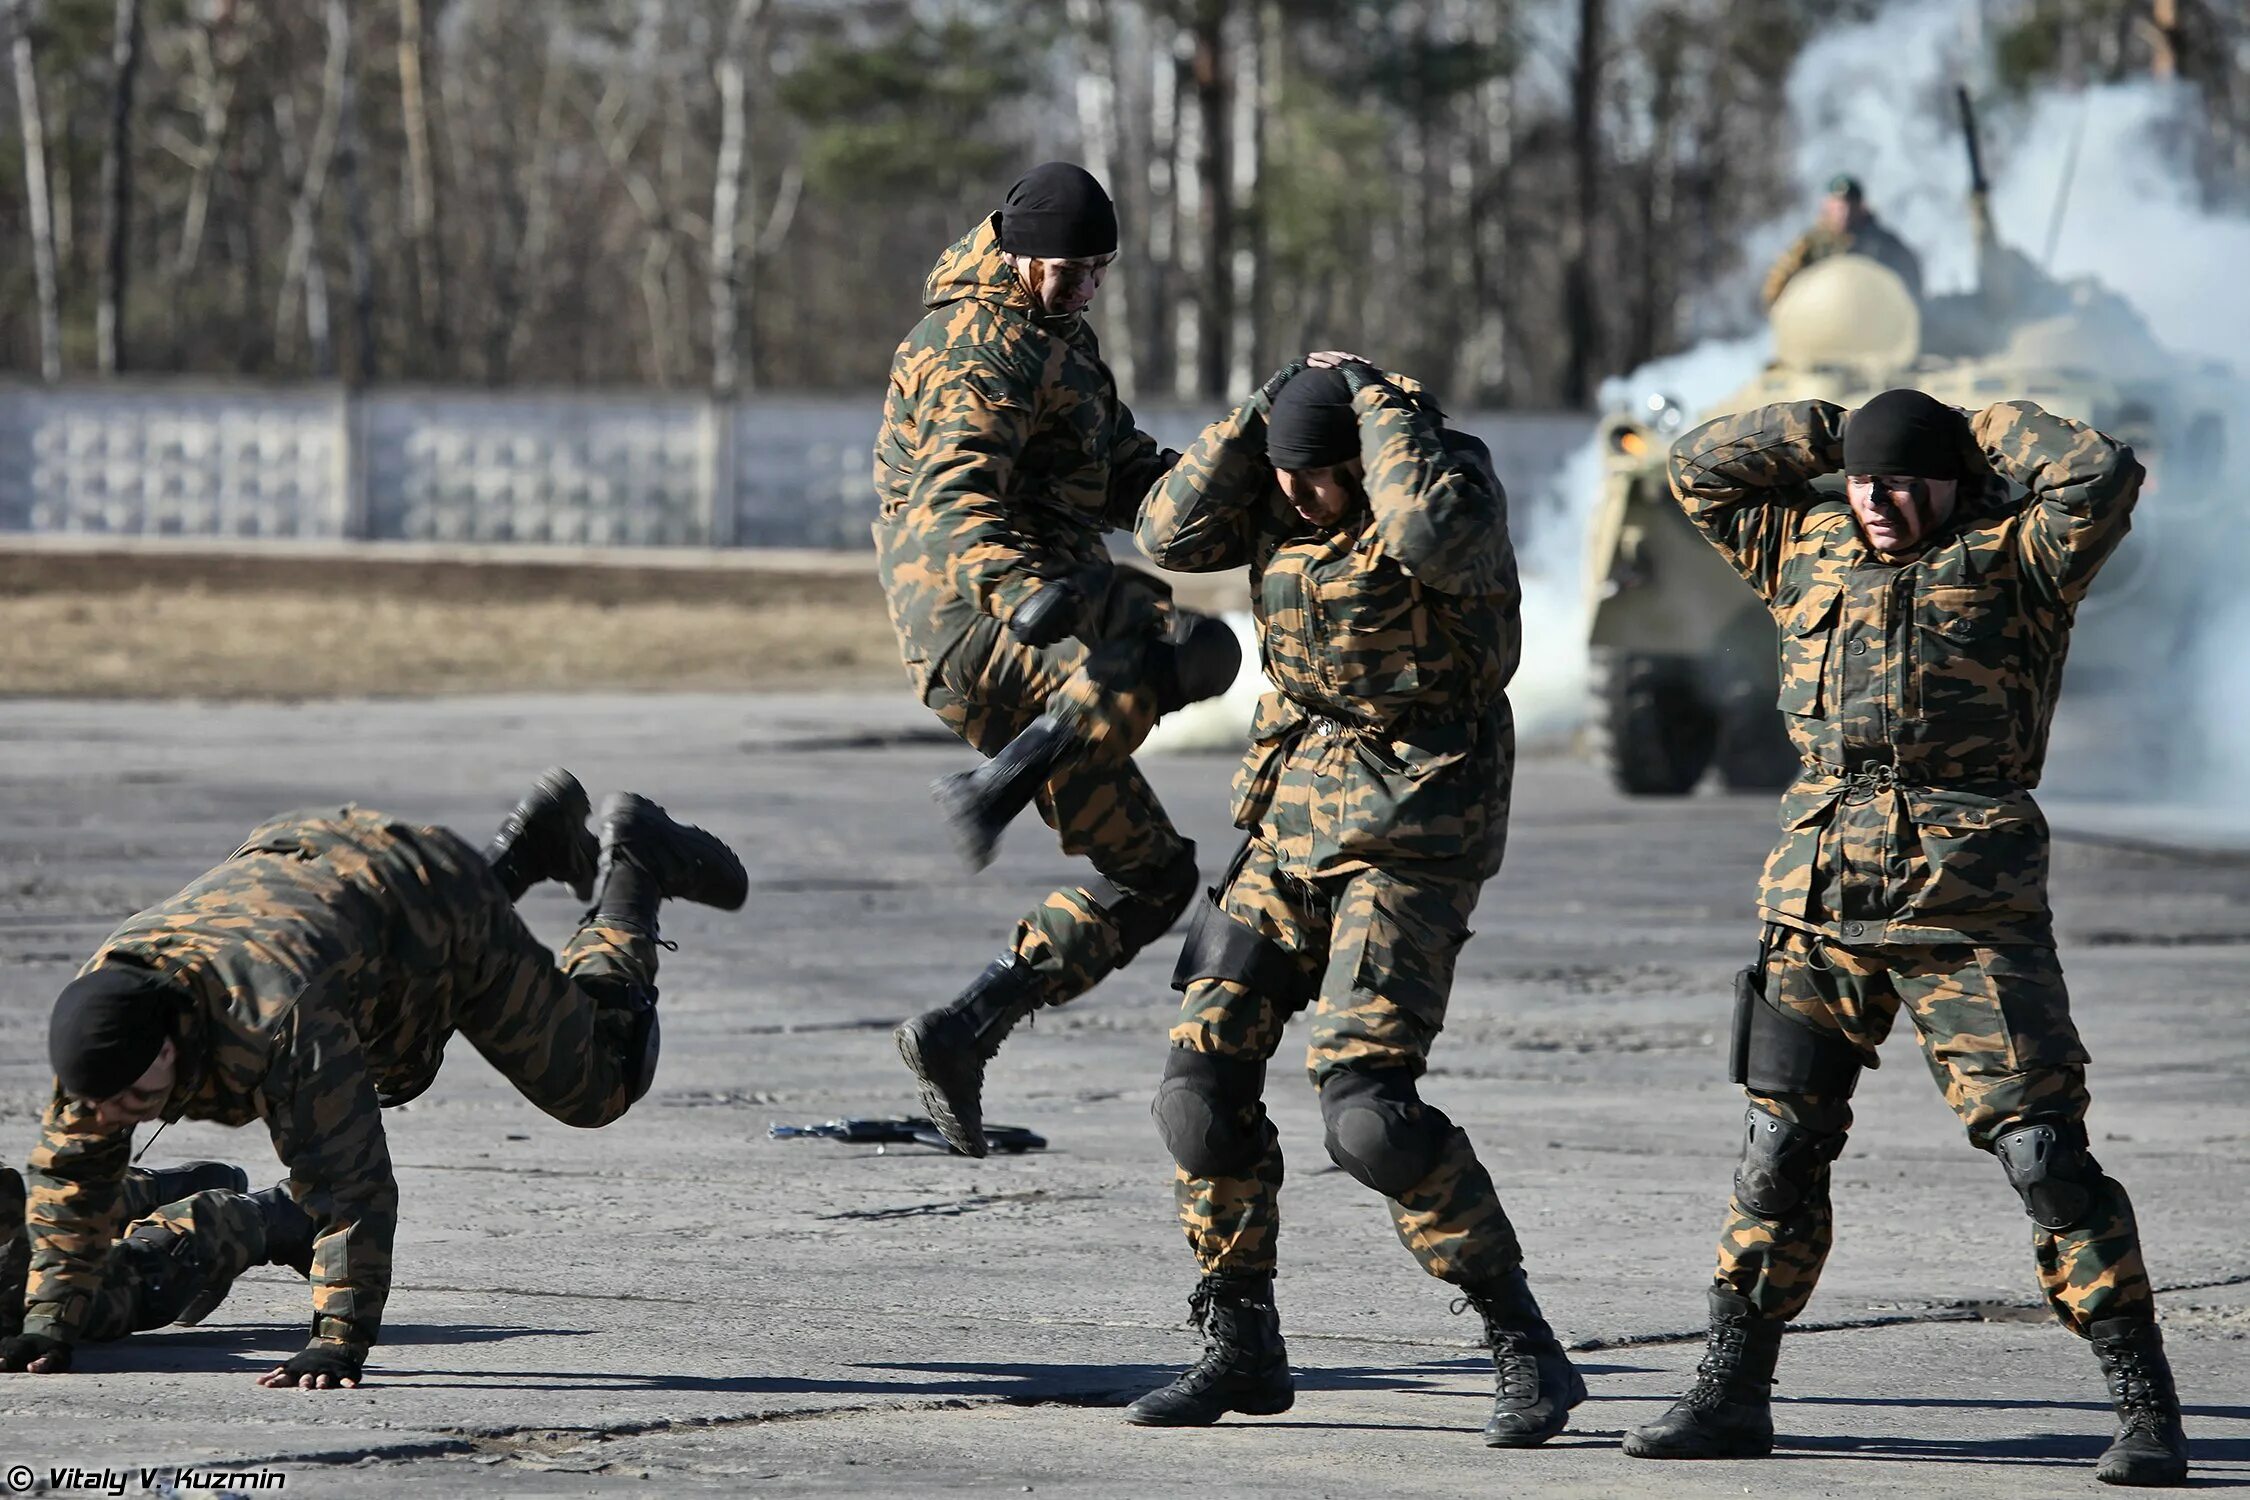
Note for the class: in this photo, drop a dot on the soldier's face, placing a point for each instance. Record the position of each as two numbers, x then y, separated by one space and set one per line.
1322 496
145 1099
1062 286
1897 512
1838 213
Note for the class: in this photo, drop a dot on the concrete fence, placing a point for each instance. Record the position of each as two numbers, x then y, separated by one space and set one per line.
611 468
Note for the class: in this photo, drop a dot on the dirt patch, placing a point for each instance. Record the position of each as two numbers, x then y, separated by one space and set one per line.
162 624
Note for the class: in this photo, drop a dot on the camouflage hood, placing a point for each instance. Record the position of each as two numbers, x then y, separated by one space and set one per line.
972 269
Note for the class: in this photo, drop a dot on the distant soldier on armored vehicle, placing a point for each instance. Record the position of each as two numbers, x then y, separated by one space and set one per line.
1924 620
1847 226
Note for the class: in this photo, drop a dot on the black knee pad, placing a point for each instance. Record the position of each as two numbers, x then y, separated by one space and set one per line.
1200 661
2051 1170
1208 1112
1380 1131
1147 910
1781 1163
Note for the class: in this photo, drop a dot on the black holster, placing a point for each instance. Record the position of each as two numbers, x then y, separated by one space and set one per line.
1772 1050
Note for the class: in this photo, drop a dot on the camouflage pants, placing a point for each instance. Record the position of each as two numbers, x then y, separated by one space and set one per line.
1374 953
988 687
215 1234
1994 1026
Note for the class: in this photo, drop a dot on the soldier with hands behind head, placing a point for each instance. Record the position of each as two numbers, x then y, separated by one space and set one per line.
1375 800
1924 619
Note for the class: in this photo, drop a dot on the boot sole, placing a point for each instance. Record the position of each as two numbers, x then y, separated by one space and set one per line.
971 839
2166 1478
714 877
1534 1439
202 1305
1258 1409
934 1102
1634 1448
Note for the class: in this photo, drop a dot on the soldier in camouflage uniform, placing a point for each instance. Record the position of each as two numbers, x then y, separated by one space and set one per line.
1375 799
1924 619
310 981
1846 227
1005 455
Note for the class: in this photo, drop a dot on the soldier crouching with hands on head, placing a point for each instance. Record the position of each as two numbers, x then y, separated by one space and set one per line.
1924 619
1375 798
310 981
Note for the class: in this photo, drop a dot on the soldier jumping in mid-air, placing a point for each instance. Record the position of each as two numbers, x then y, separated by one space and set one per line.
1004 456
1924 619
309 981
1375 797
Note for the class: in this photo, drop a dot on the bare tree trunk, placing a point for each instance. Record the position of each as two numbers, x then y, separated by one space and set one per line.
348 149
306 164
523 295
1100 127
1214 88
432 324
731 74
41 207
117 187
1161 362
1581 318
217 56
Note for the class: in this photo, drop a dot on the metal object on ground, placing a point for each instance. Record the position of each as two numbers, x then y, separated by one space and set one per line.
907 1130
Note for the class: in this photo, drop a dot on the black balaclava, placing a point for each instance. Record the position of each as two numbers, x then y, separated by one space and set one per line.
1311 424
1906 432
107 1028
1057 211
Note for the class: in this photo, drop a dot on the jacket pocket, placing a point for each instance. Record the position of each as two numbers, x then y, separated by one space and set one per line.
1966 643
1808 628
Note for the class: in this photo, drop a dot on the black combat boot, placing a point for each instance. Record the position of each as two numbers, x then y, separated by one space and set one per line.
15 1257
545 838
980 804
2150 1449
947 1048
1728 1412
288 1241
1245 1365
171 1184
646 858
1537 1385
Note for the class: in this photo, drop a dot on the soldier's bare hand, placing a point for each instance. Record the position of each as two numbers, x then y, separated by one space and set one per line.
33 1352
319 1366
1331 359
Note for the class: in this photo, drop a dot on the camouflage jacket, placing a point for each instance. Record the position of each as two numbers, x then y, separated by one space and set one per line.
1004 455
1918 692
313 992
1872 238
1389 641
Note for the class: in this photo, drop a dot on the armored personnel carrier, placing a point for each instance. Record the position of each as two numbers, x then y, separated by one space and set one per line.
1685 668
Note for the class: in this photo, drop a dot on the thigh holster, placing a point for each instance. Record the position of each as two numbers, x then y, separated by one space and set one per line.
2051 1169
1220 947
1775 1051
1208 1111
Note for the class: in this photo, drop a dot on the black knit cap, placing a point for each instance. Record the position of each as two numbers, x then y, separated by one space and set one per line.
107 1028
1311 424
1057 211
1905 432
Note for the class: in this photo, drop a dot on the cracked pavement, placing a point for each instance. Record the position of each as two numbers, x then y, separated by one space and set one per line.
680 1300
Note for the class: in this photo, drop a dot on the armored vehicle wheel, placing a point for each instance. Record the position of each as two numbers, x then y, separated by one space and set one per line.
1660 732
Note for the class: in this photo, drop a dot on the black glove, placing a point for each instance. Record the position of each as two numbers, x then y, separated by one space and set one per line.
1049 615
17 1353
1275 381
319 1358
1359 375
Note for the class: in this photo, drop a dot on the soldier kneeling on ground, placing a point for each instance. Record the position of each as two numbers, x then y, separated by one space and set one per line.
310 981
1375 800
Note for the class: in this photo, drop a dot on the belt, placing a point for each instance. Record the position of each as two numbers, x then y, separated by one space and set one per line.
1889 776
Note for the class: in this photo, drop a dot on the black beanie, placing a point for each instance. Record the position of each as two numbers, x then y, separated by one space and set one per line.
1905 432
1057 211
1311 424
107 1028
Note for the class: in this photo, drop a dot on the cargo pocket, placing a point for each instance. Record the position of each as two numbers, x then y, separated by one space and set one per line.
1965 651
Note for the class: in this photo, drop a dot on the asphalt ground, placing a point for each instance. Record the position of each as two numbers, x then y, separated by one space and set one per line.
678 1300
